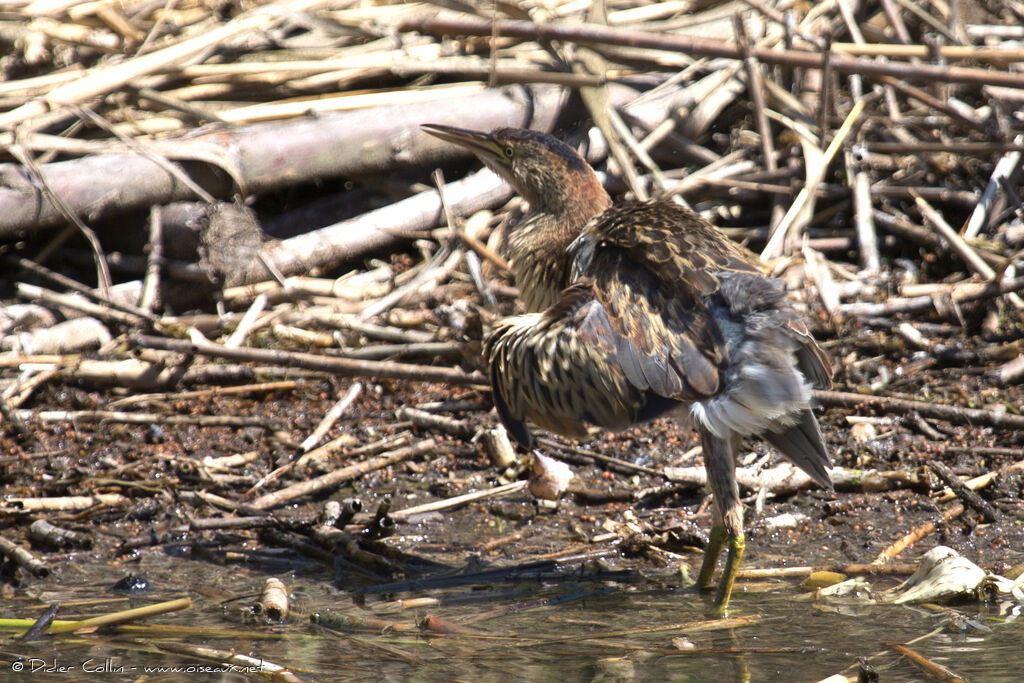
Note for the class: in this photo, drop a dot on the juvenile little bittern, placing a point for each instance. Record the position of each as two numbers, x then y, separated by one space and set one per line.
639 309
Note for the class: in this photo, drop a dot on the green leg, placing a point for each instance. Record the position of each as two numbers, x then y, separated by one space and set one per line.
737 544
711 553
720 463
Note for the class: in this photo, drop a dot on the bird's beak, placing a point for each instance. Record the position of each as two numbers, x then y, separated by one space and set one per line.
480 144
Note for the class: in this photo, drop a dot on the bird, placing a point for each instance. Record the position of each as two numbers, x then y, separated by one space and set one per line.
639 309
563 193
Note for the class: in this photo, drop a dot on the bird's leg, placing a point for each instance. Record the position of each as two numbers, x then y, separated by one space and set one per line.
711 552
720 463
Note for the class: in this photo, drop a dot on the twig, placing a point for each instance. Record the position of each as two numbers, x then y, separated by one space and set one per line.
78 303
384 332
965 494
854 569
590 62
779 18
332 416
922 426
146 418
456 501
320 453
212 392
755 87
248 323
46 534
933 669
780 235
333 479
966 147
896 21
959 293
338 366
902 406
24 558
68 626
928 19
61 503
423 419
917 534
74 285
1011 372
867 236
429 279
983 211
705 47
964 250
56 200
785 478
175 534
153 154
956 242
825 78
607 459
150 299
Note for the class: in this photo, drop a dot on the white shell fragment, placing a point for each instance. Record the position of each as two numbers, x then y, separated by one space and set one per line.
943 574
787 520
549 478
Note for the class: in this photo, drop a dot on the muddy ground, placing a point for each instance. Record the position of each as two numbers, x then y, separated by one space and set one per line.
154 466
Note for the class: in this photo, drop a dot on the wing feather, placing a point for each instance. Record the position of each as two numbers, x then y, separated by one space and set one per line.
665 311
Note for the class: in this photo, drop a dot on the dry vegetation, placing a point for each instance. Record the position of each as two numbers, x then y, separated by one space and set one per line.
211 213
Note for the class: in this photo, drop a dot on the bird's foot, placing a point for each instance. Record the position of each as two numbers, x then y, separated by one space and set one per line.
737 544
720 536
711 552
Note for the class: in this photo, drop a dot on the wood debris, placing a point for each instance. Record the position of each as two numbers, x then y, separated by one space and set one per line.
210 222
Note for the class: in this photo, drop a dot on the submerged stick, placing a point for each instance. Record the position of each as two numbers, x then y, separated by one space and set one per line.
237 662
930 667
67 626
849 569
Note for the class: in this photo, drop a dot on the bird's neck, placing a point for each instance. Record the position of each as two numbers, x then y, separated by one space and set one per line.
536 247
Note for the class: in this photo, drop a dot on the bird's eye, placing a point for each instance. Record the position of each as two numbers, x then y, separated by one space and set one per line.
509 152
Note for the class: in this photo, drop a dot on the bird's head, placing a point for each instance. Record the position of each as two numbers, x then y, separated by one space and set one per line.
548 173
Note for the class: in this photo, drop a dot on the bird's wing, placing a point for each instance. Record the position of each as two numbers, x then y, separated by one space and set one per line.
653 265
631 338
560 369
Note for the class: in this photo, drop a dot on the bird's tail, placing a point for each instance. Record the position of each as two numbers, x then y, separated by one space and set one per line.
803 444
774 362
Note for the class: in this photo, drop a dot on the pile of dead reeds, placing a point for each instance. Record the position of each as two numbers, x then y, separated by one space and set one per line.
197 200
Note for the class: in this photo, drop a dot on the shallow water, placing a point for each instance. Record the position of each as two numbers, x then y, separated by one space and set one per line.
610 627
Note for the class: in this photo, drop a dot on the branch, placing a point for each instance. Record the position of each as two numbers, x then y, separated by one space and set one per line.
902 406
595 34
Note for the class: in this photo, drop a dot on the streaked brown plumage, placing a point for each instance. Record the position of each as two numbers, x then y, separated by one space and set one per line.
537 166
661 312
